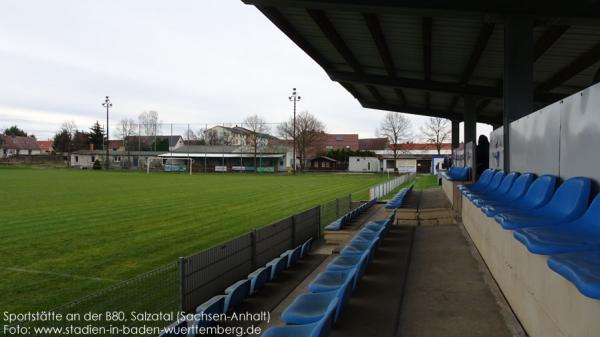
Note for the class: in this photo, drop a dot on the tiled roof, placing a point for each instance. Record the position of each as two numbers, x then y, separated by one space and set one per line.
19 143
371 144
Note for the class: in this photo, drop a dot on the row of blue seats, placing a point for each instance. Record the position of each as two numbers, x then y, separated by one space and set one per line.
237 292
457 173
344 220
559 222
313 314
398 200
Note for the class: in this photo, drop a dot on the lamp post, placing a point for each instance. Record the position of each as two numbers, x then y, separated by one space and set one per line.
294 98
107 104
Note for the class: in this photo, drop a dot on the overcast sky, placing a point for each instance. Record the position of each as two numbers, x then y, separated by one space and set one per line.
193 61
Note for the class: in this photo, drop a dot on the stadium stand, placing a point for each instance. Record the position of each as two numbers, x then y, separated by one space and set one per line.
313 313
242 289
456 173
346 218
560 223
538 193
398 200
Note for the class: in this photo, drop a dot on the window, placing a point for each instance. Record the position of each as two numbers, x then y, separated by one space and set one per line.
357 159
329 147
77 159
117 159
93 159
339 138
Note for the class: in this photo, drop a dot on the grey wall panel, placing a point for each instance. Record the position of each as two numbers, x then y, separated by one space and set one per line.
497 149
535 141
580 135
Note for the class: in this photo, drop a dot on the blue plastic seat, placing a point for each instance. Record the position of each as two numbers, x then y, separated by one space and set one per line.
517 190
308 308
357 247
480 184
499 193
539 193
236 293
579 235
568 203
278 264
333 280
177 329
458 173
292 256
259 277
319 328
215 305
581 268
490 188
306 246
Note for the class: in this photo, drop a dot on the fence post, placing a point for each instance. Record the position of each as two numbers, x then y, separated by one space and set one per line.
293 236
253 249
182 274
318 224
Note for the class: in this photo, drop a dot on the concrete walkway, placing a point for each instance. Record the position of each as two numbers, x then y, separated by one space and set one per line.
423 281
446 294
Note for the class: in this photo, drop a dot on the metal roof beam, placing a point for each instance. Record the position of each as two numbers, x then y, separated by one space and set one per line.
550 36
482 40
448 87
376 31
574 10
425 112
582 62
321 19
426 36
332 35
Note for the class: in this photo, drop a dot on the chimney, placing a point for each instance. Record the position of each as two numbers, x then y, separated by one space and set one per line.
92 147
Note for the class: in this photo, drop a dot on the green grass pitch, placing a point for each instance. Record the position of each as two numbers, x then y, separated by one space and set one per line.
67 233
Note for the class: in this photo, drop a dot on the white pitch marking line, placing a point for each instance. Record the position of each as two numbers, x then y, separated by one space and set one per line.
57 274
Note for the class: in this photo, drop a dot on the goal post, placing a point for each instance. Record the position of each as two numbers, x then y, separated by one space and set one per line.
163 162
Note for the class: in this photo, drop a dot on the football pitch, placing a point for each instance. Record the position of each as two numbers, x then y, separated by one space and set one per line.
68 233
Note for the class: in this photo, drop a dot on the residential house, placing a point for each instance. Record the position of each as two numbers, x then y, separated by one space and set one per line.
46 146
149 143
18 146
235 136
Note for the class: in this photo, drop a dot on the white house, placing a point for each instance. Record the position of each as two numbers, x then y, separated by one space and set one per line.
234 136
11 146
363 164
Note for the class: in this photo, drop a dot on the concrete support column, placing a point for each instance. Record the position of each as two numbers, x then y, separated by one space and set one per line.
455 133
470 126
518 75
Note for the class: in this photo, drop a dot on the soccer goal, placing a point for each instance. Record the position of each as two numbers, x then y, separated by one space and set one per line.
169 164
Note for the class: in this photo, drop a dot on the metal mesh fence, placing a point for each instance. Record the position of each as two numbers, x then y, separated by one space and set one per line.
334 209
152 292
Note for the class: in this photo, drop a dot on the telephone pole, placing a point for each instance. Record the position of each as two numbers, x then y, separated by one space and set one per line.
294 98
107 104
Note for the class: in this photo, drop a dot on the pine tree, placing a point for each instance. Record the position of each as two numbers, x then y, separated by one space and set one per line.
97 136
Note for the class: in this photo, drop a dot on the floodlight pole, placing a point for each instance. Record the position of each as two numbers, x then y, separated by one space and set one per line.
107 104
294 98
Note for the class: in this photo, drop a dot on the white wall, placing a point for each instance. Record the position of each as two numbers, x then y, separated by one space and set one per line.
363 164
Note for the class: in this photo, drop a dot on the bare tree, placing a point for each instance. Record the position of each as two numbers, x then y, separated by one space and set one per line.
126 129
309 131
258 128
394 127
150 124
436 131
68 129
